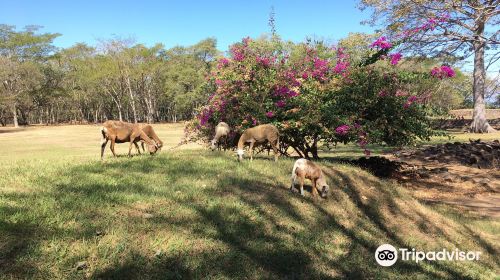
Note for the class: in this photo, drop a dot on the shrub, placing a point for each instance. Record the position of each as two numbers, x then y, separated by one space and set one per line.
314 94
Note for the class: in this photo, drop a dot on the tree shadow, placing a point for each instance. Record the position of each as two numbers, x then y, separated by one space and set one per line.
263 230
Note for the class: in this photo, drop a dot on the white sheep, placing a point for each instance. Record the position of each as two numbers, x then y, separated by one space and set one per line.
221 131
306 169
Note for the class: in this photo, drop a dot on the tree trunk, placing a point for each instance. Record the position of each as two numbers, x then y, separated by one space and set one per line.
14 115
132 100
479 122
314 149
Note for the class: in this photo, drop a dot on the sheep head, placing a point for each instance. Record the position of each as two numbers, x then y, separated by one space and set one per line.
323 187
240 154
152 148
158 146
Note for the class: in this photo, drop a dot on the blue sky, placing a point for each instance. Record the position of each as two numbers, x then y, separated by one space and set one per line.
184 22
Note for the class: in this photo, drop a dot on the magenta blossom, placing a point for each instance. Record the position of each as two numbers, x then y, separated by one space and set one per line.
342 130
341 67
401 93
280 103
367 152
284 91
238 53
395 58
270 114
381 43
382 93
223 62
443 72
264 61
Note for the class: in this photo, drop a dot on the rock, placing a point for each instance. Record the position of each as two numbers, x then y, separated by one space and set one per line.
448 178
81 265
147 216
158 253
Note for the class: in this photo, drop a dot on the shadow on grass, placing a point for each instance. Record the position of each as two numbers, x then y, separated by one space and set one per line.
261 229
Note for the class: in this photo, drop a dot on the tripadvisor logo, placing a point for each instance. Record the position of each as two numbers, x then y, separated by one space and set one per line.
387 255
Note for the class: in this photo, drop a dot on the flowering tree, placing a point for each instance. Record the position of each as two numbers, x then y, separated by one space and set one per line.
313 93
469 30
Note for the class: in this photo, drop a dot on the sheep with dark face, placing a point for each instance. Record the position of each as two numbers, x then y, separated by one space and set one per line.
306 169
221 132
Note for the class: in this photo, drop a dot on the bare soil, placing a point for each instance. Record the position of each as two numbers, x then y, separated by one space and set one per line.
438 174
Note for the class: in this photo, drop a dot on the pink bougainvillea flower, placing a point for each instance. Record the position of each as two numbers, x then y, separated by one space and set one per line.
342 130
448 71
443 72
320 63
270 114
367 152
412 98
264 61
280 103
395 58
341 67
223 62
219 82
382 93
238 52
381 43
401 93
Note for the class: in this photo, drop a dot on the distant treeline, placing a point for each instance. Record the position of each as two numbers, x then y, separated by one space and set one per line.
115 80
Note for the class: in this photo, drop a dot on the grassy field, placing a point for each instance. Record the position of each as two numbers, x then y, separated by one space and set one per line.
192 213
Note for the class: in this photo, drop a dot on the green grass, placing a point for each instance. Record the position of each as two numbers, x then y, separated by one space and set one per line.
193 213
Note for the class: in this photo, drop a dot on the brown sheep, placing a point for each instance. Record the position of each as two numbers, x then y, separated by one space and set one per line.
150 132
306 169
121 132
259 134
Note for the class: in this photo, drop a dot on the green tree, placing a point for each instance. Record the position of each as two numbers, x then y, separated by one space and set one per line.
22 53
459 28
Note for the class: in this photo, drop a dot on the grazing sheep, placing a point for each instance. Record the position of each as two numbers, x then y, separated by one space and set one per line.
259 134
306 169
150 132
121 132
221 131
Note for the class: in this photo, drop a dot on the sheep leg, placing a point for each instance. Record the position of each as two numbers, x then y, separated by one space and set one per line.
251 150
314 190
137 148
112 147
275 150
301 182
293 182
130 148
104 142
142 145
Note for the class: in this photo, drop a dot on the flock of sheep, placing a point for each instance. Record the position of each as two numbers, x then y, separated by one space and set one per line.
122 132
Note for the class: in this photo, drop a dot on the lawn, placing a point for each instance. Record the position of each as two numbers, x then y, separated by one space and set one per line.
193 213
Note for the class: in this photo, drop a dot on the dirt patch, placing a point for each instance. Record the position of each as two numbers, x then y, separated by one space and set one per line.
444 174
482 155
467 113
